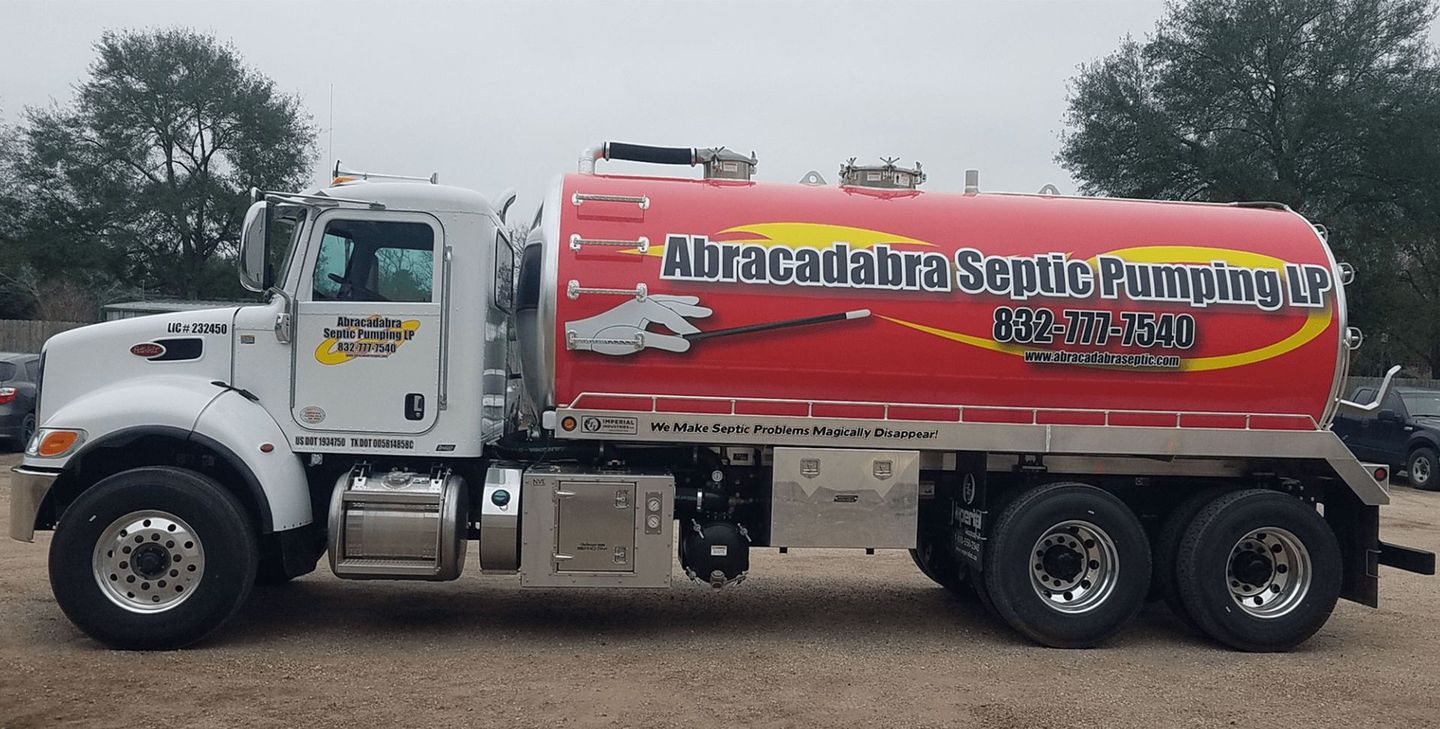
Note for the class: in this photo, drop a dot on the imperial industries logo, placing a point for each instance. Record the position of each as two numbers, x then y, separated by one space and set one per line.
608 425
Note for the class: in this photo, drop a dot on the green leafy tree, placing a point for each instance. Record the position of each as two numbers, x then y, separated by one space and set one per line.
145 174
1328 106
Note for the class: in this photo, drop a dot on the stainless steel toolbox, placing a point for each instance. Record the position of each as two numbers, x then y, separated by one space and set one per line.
596 528
845 498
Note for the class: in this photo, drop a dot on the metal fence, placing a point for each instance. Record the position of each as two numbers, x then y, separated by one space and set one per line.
26 335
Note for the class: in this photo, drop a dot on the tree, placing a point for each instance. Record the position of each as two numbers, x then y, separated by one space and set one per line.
145 175
1328 106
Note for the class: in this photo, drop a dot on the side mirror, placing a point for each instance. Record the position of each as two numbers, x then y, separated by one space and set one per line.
252 247
1387 416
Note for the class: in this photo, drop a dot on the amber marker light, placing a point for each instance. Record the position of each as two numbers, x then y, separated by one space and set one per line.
568 423
56 442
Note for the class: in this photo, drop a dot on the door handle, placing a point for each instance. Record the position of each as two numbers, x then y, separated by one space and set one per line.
282 327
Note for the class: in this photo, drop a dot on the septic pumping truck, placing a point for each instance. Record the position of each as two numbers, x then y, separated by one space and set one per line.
1067 406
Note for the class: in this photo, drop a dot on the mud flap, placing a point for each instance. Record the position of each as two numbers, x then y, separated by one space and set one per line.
971 510
1357 529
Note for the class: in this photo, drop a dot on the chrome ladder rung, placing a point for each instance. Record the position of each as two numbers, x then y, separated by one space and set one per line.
573 290
576 243
582 197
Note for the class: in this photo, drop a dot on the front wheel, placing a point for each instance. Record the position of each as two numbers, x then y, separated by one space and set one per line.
1067 565
1422 470
152 558
1259 570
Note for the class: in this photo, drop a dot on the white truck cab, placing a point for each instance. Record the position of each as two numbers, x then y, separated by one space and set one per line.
360 348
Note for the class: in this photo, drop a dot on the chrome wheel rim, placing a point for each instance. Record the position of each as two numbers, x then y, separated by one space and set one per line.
1269 572
1420 470
1074 567
148 561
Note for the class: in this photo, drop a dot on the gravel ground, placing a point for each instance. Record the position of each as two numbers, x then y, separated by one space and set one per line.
814 638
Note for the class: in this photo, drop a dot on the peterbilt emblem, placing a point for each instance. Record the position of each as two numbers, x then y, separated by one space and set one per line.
809 467
148 350
883 469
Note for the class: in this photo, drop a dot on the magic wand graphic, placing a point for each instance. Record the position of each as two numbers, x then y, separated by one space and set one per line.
786 324
624 329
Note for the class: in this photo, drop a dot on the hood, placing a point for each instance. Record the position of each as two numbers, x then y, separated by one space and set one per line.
189 343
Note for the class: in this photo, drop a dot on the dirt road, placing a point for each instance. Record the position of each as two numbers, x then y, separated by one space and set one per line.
817 638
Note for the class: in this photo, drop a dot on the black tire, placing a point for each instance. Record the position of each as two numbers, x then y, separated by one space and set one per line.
1206 565
1167 546
219 524
1124 570
22 439
1429 479
982 593
27 431
934 562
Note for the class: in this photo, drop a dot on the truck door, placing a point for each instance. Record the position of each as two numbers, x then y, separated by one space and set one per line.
368 334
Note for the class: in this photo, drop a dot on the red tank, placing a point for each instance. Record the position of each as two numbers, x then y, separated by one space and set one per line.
715 296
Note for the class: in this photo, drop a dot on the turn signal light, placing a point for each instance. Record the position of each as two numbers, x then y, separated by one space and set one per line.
56 442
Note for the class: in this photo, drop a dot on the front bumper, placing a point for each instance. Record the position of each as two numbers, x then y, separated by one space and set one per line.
28 488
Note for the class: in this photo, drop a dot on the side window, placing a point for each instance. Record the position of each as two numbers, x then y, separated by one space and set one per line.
1392 402
370 260
32 368
504 272
1363 395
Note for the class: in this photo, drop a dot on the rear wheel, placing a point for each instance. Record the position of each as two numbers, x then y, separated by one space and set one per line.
1167 546
1068 565
1422 468
1259 570
152 558
937 564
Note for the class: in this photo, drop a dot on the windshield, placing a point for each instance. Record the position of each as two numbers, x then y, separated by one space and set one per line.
1422 404
286 227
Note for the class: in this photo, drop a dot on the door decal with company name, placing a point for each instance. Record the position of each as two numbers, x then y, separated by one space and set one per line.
372 336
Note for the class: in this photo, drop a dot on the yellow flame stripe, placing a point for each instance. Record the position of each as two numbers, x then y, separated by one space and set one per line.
803 235
326 353
1316 322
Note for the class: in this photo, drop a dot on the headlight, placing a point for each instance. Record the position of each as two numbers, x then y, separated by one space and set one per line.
54 442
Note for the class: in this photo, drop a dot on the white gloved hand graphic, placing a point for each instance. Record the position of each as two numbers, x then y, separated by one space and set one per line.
622 330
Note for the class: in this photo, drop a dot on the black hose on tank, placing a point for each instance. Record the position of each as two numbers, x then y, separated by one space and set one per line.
647 153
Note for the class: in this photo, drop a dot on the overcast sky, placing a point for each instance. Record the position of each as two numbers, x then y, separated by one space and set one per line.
506 94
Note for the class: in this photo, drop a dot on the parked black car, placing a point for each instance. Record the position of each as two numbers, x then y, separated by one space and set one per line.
18 374
1404 432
